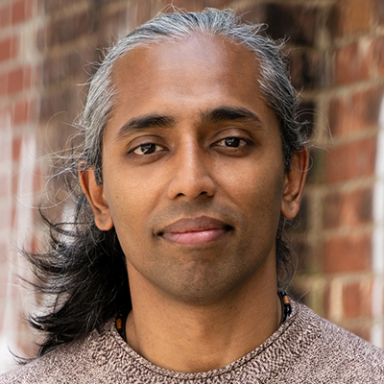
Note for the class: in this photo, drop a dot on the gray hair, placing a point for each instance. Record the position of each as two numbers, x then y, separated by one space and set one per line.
84 268
274 81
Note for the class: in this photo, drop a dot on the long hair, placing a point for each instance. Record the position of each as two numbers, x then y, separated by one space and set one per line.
83 274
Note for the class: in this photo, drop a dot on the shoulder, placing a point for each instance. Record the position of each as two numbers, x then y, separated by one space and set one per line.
80 361
335 353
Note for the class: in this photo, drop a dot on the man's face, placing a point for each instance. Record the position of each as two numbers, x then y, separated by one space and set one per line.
193 176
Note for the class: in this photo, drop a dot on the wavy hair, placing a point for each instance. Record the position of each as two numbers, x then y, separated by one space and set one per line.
83 272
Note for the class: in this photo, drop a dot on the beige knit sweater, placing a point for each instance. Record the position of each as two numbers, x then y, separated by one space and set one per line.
305 349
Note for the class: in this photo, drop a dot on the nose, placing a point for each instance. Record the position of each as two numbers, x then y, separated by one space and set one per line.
191 178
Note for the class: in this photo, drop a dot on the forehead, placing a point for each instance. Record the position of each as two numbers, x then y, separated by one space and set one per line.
185 77
191 61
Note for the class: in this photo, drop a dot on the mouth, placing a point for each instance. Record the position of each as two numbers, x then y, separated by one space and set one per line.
196 231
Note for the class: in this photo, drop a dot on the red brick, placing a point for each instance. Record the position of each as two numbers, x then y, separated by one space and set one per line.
16 148
380 11
378 53
352 63
351 17
347 254
68 29
355 303
55 5
16 81
347 209
356 112
19 13
351 300
29 5
22 112
8 48
3 84
296 21
5 16
351 160
19 79
308 69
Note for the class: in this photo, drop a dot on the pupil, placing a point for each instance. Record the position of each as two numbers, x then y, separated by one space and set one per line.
147 148
232 142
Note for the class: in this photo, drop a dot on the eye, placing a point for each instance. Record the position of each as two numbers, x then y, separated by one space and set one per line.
232 142
146 149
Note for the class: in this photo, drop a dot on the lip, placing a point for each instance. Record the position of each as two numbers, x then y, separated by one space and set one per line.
194 231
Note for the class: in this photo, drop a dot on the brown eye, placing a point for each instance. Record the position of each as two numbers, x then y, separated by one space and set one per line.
146 149
232 142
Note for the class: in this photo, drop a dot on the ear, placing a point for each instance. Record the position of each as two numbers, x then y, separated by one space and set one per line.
294 184
96 199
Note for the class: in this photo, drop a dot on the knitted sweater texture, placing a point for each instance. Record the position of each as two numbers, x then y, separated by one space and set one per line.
305 349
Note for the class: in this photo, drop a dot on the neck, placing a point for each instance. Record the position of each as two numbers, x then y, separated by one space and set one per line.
192 338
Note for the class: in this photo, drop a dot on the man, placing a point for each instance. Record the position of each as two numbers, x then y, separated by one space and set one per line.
193 159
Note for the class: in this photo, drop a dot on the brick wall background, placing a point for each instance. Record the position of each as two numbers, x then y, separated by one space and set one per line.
336 50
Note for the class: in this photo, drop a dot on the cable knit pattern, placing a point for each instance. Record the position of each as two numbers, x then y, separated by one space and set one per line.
305 349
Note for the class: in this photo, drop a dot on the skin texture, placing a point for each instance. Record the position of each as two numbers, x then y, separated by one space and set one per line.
194 183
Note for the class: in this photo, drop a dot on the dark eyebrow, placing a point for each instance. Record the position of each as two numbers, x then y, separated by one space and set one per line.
142 122
230 114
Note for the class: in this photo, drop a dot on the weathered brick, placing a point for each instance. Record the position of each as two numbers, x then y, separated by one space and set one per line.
378 53
347 209
308 69
380 11
356 112
5 16
8 48
296 22
19 79
351 160
354 303
23 112
68 29
305 256
306 114
19 11
352 63
316 166
198 5
111 25
16 81
347 254
70 66
3 84
55 5
351 17
16 148
52 104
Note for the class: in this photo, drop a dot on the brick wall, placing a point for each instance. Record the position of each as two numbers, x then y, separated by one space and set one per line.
336 50
19 184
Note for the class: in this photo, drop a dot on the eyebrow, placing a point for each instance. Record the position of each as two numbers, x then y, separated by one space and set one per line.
216 115
146 121
224 113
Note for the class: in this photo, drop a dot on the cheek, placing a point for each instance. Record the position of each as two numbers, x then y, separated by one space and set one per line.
131 199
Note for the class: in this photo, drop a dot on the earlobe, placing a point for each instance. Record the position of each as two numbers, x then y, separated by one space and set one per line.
294 184
96 199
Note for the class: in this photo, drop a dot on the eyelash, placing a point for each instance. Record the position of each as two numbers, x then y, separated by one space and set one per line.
244 142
